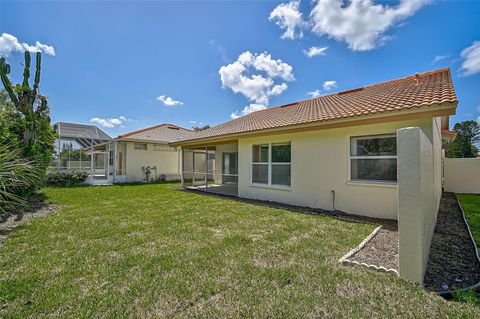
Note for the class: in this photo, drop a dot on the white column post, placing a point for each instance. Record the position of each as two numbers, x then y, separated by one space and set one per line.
58 154
108 162
182 181
114 161
91 159
206 168
193 167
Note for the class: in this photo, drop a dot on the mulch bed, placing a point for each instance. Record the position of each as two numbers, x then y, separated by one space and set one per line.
452 260
381 250
11 220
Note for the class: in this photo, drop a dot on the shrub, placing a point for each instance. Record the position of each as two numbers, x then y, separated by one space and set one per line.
18 178
66 179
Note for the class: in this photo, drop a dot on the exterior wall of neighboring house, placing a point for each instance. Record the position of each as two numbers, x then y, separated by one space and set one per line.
162 156
320 163
462 175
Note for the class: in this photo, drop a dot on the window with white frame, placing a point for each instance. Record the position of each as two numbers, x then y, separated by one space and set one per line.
140 146
271 164
163 147
373 158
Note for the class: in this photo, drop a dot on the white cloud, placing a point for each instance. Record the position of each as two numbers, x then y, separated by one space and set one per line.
314 51
247 110
110 122
328 85
9 44
360 23
255 75
315 93
168 101
439 58
471 59
289 18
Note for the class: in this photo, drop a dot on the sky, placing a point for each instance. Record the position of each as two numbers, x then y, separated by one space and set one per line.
128 65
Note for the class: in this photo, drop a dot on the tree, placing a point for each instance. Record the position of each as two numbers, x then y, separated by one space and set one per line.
30 113
8 118
468 134
200 128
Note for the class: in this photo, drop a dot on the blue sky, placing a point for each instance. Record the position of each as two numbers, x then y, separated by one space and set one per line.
113 61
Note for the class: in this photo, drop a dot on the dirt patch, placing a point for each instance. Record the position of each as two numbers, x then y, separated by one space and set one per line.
381 250
452 262
10 221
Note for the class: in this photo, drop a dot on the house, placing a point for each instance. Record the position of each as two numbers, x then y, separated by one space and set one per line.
373 151
144 155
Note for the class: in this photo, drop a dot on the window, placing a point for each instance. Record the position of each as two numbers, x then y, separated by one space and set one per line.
373 158
163 147
271 164
140 146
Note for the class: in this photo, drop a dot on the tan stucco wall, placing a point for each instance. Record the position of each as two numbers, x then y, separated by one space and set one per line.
462 175
320 164
167 162
417 199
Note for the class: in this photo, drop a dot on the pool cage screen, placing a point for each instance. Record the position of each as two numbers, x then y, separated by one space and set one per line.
97 161
207 169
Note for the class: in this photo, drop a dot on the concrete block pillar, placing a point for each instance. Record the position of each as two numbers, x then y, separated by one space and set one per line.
416 214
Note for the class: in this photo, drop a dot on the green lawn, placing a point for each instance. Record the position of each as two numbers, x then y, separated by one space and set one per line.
149 251
471 207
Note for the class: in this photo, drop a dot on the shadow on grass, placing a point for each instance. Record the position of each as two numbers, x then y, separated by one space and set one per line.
386 223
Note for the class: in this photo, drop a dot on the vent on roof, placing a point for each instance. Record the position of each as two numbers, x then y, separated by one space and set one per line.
350 91
173 127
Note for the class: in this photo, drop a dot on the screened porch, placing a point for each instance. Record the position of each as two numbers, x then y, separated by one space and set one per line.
212 169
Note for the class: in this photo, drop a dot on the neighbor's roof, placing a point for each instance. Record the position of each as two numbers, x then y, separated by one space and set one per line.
159 133
420 90
84 134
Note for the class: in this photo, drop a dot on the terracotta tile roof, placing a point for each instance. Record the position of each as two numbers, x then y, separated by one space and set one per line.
416 91
159 133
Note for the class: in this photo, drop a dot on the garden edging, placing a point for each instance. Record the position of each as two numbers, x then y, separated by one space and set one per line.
346 261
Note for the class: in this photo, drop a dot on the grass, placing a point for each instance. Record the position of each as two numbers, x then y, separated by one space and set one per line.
149 251
471 207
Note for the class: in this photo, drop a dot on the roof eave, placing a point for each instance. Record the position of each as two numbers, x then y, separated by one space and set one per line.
444 109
